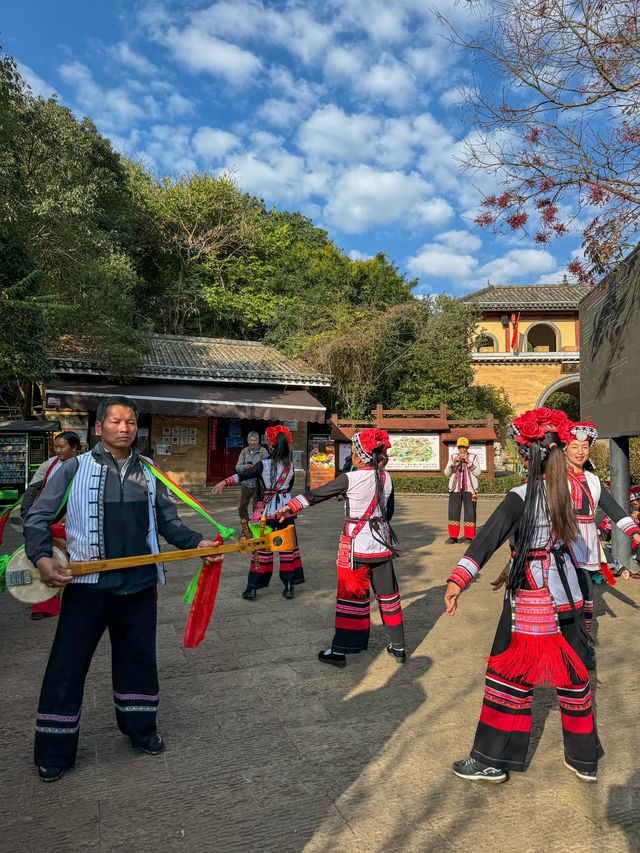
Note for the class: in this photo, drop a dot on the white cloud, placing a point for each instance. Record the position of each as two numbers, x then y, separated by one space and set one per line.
279 113
331 134
178 105
389 81
38 86
344 62
124 54
199 51
516 264
459 240
170 148
440 262
269 170
434 211
214 144
364 197
113 107
293 28
557 277
357 255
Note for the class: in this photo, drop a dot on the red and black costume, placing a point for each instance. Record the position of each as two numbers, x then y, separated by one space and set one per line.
540 636
275 481
365 552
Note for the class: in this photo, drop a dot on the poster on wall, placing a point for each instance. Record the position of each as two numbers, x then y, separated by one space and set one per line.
184 435
163 450
411 452
322 460
480 450
298 460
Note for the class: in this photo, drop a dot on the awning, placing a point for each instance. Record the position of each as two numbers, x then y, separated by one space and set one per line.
190 399
30 426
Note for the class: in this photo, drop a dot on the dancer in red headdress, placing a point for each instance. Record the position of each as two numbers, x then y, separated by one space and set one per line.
587 493
367 546
540 637
275 478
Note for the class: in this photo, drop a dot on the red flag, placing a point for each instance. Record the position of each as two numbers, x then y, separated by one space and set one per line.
514 338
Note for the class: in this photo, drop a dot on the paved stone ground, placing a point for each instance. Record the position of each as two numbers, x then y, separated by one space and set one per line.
268 750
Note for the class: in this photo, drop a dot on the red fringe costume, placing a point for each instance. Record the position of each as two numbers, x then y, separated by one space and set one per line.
540 637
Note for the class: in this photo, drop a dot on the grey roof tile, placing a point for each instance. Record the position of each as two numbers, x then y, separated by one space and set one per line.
518 297
199 359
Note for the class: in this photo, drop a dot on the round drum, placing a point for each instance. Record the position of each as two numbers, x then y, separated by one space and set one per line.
34 592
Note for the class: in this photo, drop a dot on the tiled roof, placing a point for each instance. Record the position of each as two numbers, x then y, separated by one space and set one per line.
519 297
196 359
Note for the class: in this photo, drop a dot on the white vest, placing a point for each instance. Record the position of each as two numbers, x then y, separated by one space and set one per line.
84 524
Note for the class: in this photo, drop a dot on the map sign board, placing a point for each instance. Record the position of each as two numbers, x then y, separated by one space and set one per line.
610 352
412 452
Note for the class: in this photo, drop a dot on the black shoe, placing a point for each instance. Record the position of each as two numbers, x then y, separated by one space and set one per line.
249 594
332 658
475 771
153 746
468 539
399 654
451 540
51 774
36 617
287 592
585 775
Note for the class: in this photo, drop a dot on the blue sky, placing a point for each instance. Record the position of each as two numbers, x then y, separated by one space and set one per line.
348 111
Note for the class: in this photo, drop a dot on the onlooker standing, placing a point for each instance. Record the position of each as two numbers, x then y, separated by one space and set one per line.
66 446
462 470
249 456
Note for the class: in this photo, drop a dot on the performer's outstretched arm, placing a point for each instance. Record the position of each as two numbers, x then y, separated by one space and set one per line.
499 526
618 516
332 489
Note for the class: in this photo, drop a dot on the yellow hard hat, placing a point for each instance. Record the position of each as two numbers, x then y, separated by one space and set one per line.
462 442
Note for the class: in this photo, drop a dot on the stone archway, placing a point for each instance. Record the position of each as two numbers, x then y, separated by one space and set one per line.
569 384
566 385
543 334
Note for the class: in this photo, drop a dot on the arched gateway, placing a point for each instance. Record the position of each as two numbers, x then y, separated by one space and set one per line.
536 349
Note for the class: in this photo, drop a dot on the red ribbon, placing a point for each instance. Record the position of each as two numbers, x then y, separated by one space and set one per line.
202 606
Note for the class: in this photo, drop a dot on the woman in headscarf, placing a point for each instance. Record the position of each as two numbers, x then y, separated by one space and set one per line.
367 546
275 478
541 637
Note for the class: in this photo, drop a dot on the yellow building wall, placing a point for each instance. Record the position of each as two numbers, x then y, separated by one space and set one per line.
523 383
566 327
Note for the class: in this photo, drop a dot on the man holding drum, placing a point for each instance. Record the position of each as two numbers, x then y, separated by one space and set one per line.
114 508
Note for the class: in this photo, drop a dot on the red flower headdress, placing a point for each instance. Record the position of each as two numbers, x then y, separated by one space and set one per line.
584 432
634 493
536 423
272 433
368 440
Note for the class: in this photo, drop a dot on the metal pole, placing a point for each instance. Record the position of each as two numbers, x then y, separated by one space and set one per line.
619 468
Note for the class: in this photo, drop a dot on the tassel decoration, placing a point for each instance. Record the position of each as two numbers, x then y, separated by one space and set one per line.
353 583
543 660
608 574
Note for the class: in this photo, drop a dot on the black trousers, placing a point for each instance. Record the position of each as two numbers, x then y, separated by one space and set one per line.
504 728
456 501
352 615
85 615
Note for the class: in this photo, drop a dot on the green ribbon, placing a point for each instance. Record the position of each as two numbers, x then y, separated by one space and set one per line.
225 532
